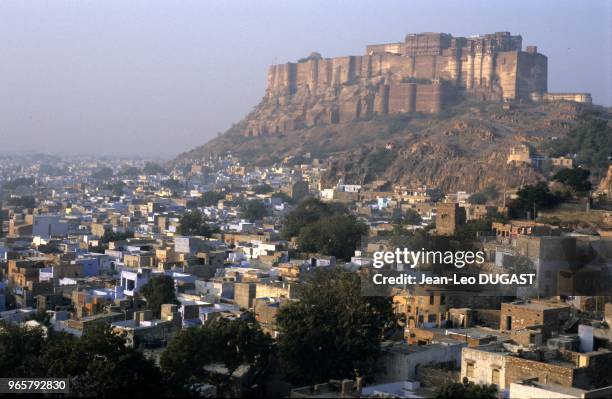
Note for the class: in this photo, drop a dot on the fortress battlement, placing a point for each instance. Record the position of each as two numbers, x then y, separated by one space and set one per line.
492 63
420 74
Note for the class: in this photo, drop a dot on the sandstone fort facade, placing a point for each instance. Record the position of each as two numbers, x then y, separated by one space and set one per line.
423 73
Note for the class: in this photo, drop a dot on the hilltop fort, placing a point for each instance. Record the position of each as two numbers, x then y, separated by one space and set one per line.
456 113
424 73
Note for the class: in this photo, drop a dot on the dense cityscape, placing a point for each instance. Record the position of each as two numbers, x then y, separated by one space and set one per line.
265 258
408 213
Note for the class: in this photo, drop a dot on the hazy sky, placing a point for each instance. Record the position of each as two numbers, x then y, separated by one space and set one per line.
159 77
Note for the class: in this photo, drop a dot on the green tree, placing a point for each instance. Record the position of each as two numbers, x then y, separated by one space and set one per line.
19 351
332 330
19 182
110 236
576 178
263 189
97 364
186 349
152 168
532 197
478 199
116 187
26 201
590 140
102 173
210 198
410 217
466 390
231 343
308 211
158 291
284 197
130 171
337 235
254 210
100 364
470 229
482 197
173 184
325 228
193 223
312 56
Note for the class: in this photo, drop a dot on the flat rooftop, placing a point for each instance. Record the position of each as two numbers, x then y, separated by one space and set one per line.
537 305
570 391
403 347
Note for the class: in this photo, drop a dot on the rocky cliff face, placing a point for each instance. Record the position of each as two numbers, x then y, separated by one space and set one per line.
427 110
465 147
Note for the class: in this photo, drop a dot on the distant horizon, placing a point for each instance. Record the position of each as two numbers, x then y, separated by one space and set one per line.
155 79
72 155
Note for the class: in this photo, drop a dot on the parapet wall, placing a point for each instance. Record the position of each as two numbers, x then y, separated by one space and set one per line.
413 97
575 97
493 62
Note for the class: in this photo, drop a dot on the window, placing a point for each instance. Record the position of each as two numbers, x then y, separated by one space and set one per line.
495 377
431 318
431 299
442 300
469 371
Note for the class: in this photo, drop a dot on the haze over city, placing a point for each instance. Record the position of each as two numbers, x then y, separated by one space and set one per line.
158 78
306 198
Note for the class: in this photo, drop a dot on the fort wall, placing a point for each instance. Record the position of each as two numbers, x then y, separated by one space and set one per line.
466 62
419 74
401 98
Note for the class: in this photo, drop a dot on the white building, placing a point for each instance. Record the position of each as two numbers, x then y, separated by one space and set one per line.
132 281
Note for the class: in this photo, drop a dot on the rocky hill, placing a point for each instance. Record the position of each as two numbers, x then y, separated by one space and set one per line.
434 109
465 147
